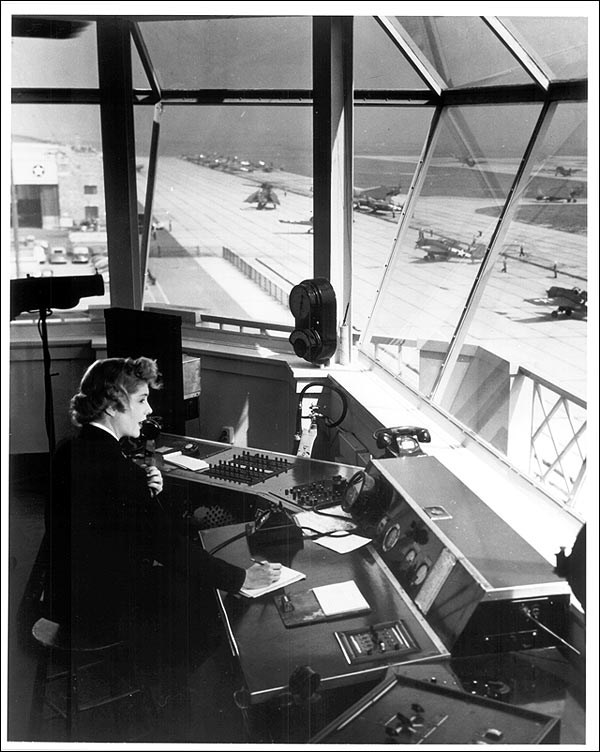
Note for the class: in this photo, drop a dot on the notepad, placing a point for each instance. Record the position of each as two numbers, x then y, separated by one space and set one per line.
287 577
182 460
340 598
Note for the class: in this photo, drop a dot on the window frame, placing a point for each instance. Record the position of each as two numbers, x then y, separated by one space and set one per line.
333 169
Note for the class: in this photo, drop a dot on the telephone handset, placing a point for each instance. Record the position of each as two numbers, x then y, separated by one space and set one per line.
401 441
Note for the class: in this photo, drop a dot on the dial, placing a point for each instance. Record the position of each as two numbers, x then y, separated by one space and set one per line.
299 302
420 574
391 537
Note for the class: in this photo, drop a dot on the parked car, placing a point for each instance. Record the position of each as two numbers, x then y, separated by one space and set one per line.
88 225
58 255
81 254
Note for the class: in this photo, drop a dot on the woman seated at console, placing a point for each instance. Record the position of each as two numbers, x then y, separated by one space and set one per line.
121 564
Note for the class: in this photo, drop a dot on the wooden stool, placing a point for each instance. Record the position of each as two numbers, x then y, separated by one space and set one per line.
80 655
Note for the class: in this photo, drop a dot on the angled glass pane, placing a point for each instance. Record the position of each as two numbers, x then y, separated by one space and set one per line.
560 42
388 144
464 51
232 209
520 382
378 63
58 214
231 53
473 161
138 74
57 62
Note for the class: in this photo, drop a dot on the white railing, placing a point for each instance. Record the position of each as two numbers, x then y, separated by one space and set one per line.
551 424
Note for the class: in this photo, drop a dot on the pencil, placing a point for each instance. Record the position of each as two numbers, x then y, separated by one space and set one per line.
257 561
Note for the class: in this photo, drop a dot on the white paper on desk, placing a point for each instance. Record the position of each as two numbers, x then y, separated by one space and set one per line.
182 460
343 544
286 577
340 598
324 523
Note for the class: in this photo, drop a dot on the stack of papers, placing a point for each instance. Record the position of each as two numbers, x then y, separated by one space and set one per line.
286 578
182 460
324 523
340 598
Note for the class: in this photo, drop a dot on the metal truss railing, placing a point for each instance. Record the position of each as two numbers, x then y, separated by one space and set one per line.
552 423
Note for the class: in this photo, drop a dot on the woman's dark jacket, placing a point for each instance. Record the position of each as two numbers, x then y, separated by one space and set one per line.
107 531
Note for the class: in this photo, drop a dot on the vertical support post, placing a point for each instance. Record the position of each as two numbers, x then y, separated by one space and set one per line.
520 427
118 153
332 160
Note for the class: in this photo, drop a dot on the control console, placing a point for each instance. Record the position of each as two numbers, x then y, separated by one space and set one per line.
480 585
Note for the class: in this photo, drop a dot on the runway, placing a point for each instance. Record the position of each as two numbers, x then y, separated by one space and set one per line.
207 212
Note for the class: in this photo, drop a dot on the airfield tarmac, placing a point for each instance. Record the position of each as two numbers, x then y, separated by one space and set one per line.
207 212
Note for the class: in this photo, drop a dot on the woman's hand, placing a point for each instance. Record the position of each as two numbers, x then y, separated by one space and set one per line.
261 575
154 480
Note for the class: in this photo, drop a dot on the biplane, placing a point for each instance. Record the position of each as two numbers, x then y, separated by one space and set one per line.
263 196
569 301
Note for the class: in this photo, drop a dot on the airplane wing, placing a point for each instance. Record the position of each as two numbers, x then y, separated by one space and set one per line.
252 198
381 192
567 296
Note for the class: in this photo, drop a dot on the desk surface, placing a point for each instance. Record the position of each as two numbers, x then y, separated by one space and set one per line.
268 651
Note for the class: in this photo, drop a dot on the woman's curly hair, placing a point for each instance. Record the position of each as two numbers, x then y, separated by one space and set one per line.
108 383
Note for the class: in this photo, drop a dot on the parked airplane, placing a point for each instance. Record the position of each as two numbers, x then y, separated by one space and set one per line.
569 301
565 171
377 199
263 196
570 196
441 248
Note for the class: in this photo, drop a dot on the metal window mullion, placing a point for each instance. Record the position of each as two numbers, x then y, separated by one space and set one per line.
533 67
118 158
413 54
149 200
407 210
151 75
487 265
